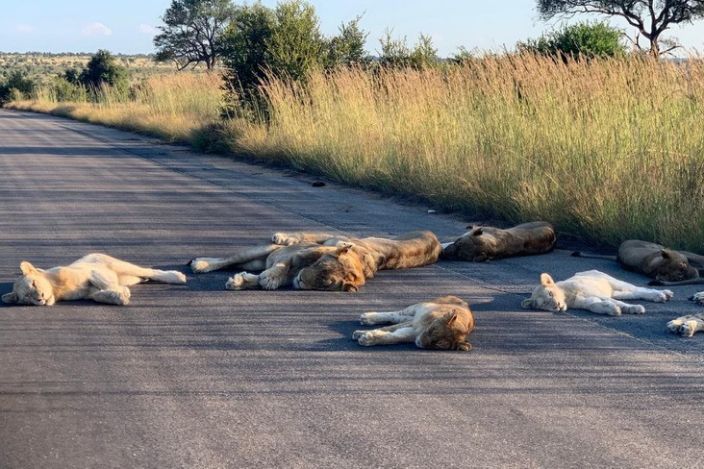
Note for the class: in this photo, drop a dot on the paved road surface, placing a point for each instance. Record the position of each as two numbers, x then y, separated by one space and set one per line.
195 376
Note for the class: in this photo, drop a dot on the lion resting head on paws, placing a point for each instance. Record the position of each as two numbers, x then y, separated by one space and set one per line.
343 270
658 262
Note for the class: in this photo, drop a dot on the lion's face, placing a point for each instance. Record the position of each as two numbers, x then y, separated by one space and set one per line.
33 288
546 297
341 271
445 333
674 267
467 247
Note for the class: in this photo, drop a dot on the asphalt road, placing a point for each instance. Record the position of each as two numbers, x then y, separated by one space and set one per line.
194 376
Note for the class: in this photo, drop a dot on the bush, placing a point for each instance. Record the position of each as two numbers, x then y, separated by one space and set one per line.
17 87
102 70
582 40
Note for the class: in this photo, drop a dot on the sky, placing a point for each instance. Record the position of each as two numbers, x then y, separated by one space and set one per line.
128 26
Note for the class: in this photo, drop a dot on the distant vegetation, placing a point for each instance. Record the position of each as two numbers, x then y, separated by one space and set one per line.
571 127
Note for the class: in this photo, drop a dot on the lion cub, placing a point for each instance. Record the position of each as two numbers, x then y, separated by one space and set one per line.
687 326
97 277
594 291
441 324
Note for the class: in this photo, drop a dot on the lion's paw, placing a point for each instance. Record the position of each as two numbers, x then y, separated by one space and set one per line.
283 239
235 282
663 296
122 296
698 298
633 309
200 265
269 280
688 328
674 325
357 334
366 339
366 319
179 276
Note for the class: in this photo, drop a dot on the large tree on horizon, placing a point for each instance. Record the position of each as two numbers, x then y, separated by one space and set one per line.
192 32
650 17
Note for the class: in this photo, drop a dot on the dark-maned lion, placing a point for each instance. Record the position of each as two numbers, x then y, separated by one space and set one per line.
440 324
323 261
485 242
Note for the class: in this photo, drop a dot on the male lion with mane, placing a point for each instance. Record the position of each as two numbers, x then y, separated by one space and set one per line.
323 261
440 324
96 277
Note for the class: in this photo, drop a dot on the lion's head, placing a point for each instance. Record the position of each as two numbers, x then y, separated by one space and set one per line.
339 271
547 297
33 288
471 246
673 266
447 332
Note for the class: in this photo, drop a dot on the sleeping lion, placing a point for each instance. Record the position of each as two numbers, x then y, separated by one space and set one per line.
97 277
483 243
594 291
687 326
666 266
322 261
440 324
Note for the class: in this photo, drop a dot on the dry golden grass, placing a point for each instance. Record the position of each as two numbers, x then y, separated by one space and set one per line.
607 150
174 107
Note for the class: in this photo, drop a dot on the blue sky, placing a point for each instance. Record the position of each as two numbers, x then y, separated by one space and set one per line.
128 26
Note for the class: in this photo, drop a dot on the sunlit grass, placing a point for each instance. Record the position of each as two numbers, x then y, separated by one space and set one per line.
606 150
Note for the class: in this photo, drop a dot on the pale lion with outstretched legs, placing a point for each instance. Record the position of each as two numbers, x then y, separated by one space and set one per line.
441 324
97 277
594 291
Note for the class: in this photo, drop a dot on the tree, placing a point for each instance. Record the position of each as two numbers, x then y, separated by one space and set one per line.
347 48
192 32
396 53
296 44
582 40
102 69
650 17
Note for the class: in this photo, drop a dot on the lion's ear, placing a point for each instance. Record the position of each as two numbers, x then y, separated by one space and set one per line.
665 254
10 298
452 318
343 248
26 268
527 303
349 287
546 280
477 232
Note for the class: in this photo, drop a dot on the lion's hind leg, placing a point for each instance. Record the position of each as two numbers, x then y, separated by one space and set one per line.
128 272
243 281
687 326
298 237
201 265
647 294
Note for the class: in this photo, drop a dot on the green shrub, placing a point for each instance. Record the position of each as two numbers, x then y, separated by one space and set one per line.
582 40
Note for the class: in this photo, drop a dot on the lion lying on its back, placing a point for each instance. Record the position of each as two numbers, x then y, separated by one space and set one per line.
96 277
486 243
323 261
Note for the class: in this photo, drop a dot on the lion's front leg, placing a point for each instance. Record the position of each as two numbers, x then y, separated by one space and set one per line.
396 334
597 305
243 281
373 317
298 237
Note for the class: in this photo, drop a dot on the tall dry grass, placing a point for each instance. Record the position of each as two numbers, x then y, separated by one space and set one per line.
174 107
606 150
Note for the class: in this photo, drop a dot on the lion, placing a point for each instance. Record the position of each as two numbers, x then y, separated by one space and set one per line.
594 291
323 261
665 266
97 277
440 324
485 242
687 326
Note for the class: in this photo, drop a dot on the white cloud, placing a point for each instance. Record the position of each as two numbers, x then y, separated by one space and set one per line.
96 29
148 29
25 28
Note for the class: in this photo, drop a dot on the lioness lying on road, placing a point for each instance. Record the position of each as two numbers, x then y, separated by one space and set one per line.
97 277
323 261
594 291
441 324
687 326
665 266
485 242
